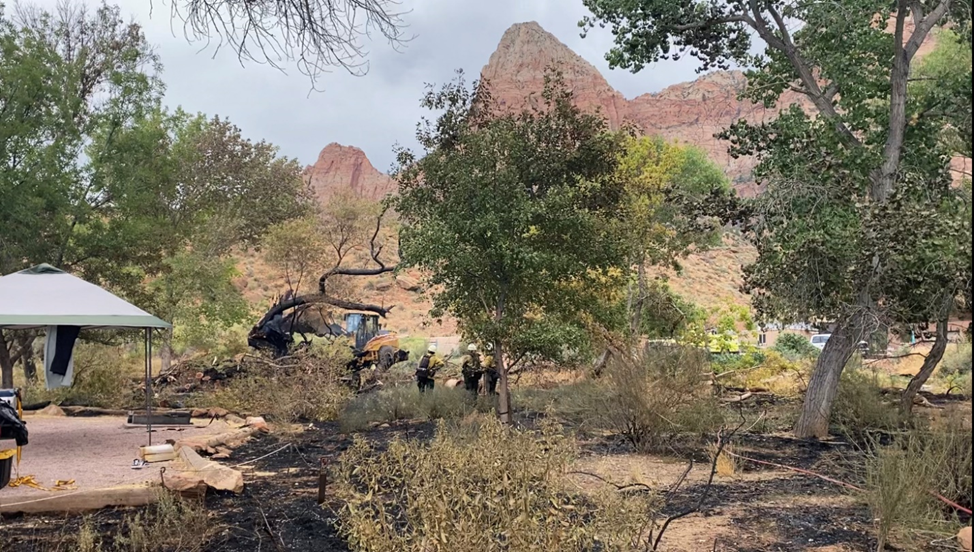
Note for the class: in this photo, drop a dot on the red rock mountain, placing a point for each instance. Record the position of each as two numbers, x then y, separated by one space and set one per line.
688 112
346 167
691 112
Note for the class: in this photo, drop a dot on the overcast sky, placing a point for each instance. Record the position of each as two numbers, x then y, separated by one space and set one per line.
380 109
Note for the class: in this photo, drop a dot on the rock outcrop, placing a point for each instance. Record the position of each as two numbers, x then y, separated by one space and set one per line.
689 112
346 168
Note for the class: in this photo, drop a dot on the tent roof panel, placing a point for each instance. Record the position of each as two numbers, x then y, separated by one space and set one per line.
46 296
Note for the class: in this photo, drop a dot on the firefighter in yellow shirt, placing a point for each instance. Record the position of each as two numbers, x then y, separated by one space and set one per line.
490 370
429 365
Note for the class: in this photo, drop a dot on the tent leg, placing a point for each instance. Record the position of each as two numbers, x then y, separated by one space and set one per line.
148 382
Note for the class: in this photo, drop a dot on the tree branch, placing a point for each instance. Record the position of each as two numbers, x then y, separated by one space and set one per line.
812 89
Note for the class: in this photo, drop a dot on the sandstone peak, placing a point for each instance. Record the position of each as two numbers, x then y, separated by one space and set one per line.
516 71
342 167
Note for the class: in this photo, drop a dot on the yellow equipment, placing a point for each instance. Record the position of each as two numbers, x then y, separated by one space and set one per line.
373 346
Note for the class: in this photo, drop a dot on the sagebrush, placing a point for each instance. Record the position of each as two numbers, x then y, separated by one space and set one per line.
479 488
902 477
651 400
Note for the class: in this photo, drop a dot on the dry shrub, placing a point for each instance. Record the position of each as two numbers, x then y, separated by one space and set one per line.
901 476
169 524
474 489
102 378
955 368
407 403
861 407
726 465
311 389
650 400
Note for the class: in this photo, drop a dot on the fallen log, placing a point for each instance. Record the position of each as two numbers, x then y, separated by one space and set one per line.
80 411
81 501
205 443
213 474
739 398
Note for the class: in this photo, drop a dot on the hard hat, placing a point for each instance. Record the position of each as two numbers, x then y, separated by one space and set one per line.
431 348
471 348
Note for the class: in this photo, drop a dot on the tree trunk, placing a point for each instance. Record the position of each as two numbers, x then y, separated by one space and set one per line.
165 351
504 400
6 364
824 383
636 312
929 365
30 368
601 363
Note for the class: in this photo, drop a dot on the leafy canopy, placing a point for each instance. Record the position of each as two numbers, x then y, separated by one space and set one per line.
512 214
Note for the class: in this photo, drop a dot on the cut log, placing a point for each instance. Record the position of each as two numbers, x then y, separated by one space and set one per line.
81 501
201 443
964 539
215 475
739 398
187 484
92 411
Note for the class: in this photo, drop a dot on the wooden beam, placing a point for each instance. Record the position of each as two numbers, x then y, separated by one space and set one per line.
81 501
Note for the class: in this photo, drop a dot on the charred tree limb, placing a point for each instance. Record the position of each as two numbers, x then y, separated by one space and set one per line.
375 252
316 299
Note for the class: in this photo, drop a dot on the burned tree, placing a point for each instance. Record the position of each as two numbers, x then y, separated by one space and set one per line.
339 226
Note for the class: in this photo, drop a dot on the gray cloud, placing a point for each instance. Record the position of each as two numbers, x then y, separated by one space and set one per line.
380 109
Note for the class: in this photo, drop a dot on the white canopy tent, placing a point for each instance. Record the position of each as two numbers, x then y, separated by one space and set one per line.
44 296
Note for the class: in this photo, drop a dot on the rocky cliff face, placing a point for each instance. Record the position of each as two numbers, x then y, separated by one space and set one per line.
346 168
688 112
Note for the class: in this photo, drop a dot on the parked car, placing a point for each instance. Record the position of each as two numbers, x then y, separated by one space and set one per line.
819 340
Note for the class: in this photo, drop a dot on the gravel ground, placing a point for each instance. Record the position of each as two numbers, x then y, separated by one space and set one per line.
94 451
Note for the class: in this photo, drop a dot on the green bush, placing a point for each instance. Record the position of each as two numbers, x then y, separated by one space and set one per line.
102 378
479 489
861 407
957 360
795 347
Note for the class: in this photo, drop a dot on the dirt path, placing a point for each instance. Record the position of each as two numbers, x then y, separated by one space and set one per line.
95 452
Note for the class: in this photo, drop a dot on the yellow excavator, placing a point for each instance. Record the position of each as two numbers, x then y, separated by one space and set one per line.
373 346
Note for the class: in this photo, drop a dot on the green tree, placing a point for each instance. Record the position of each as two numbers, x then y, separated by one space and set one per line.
512 215
662 217
829 176
211 192
98 179
63 77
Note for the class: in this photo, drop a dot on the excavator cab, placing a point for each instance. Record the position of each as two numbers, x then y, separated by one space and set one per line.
363 327
373 346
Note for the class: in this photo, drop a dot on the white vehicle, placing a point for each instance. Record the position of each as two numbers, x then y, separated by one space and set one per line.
819 340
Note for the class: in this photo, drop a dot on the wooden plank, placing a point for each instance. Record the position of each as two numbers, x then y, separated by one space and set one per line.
81 501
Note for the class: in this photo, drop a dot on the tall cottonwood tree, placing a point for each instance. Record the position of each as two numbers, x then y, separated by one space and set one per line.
512 216
65 77
830 172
